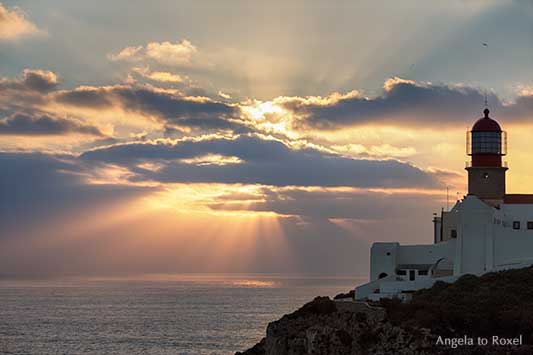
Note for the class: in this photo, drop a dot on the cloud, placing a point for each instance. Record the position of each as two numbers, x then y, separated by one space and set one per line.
402 102
160 76
14 24
383 150
167 53
128 53
86 97
38 124
258 161
171 108
169 111
26 94
331 203
40 80
32 80
179 53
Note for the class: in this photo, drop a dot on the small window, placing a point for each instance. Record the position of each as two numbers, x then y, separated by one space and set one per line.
453 233
516 225
401 272
388 253
530 225
422 272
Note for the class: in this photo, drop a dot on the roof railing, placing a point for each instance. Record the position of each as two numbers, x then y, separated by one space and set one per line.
468 164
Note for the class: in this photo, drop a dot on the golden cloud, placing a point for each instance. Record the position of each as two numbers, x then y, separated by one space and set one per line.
159 76
14 24
167 53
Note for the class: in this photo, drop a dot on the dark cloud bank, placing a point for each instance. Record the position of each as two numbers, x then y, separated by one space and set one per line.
266 162
174 110
20 107
409 103
34 124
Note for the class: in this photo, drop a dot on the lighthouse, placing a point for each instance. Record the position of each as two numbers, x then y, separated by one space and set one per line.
488 230
487 144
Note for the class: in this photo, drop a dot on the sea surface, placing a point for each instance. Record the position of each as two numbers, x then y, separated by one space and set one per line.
155 314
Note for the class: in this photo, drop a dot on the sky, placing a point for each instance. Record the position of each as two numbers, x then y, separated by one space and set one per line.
250 137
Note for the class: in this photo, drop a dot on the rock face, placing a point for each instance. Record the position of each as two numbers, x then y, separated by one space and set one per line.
324 326
495 304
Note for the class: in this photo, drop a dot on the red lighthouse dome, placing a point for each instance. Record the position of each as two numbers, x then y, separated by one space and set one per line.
486 124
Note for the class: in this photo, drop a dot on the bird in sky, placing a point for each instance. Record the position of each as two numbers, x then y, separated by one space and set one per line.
485 44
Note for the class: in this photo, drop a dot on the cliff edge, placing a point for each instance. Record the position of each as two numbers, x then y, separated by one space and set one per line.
491 314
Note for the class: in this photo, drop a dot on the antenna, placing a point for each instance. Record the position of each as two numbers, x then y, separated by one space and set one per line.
486 96
447 198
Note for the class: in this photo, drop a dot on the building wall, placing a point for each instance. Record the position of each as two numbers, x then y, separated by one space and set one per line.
521 212
383 259
426 254
514 246
475 226
449 224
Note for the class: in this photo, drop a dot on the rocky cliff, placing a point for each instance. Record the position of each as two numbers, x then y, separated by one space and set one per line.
445 319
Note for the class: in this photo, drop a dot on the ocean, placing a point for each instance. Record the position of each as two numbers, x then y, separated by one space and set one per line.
156 314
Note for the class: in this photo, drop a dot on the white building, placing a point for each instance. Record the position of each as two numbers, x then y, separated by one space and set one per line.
488 230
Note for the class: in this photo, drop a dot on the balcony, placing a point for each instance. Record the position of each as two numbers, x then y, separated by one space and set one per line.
468 164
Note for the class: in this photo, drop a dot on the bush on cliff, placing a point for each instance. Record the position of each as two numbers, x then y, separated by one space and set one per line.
497 303
318 306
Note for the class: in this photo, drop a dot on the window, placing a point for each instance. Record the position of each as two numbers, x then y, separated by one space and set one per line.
388 253
453 233
422 272
401 272
516 225
530 225
486 142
